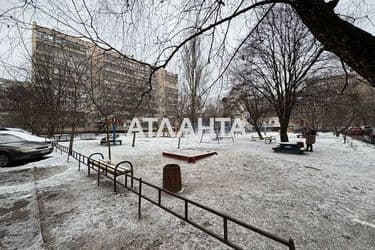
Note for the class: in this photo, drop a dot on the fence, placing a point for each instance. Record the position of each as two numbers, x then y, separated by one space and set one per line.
224 237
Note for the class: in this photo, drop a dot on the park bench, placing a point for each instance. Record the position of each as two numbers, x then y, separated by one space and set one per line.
257 138
217 137
289 148
114 169
269 139
254 138
112 141
221 137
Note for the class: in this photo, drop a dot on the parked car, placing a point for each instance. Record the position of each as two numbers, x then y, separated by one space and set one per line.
369 135
24 135
14 148
15 129
354 131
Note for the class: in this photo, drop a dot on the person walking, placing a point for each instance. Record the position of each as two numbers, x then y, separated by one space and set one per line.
310 135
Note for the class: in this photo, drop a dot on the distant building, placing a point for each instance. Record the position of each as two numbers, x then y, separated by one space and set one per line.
335 102
63 60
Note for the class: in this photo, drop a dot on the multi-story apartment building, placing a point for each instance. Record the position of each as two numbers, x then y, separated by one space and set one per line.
85 72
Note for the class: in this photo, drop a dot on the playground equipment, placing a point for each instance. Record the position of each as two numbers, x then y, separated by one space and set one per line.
190 159
217 137
112 138
114 126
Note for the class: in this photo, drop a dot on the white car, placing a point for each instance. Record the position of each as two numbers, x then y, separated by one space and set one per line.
15 129
25 136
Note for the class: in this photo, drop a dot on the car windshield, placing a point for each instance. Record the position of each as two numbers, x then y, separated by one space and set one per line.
4 138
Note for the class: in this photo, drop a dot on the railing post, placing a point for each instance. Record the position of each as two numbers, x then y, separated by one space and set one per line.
186 210
114 182
126 180
225 225
159 197
79 161
99 173
88 168
139 198
291 244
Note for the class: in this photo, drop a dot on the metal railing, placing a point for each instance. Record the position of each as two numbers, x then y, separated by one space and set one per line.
224 237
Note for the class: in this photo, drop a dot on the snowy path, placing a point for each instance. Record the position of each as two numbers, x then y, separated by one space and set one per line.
323 199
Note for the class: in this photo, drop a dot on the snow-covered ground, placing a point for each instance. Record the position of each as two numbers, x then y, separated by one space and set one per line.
324 199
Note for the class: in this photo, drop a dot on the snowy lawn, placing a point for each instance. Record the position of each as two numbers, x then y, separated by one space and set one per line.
324 199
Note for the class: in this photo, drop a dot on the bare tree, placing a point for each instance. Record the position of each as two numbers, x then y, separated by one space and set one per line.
91 20
327 106
115 87
277 60
17 102
37 102
353 45
182 107
195 74
75 73
253 104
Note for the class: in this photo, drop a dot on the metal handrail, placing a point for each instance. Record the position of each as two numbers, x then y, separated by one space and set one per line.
223 238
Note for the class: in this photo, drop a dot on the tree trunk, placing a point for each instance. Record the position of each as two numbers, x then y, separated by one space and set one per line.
193 112
353 45
284 130
71 141
257 129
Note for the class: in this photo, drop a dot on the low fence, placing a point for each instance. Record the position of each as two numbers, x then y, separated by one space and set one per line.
224 237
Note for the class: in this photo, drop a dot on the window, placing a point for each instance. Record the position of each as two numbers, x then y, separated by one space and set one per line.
6 138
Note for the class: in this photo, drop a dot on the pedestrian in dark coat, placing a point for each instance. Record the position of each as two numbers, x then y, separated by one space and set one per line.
310 135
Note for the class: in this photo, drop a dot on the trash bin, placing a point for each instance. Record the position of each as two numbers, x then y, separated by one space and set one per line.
172 178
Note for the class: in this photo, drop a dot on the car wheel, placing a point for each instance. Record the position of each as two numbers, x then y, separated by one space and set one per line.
4 160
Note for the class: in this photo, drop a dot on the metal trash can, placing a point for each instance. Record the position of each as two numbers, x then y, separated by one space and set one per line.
172 178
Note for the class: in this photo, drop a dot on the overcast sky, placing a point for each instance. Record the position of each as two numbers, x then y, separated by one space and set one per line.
143 33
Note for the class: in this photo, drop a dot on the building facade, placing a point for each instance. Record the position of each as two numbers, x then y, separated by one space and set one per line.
98 82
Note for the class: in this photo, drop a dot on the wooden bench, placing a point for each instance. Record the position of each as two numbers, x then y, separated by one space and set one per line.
110 168
255 138
269 139
220 138
113 142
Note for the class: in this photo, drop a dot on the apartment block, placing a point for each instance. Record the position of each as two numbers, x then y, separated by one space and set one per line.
120 86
